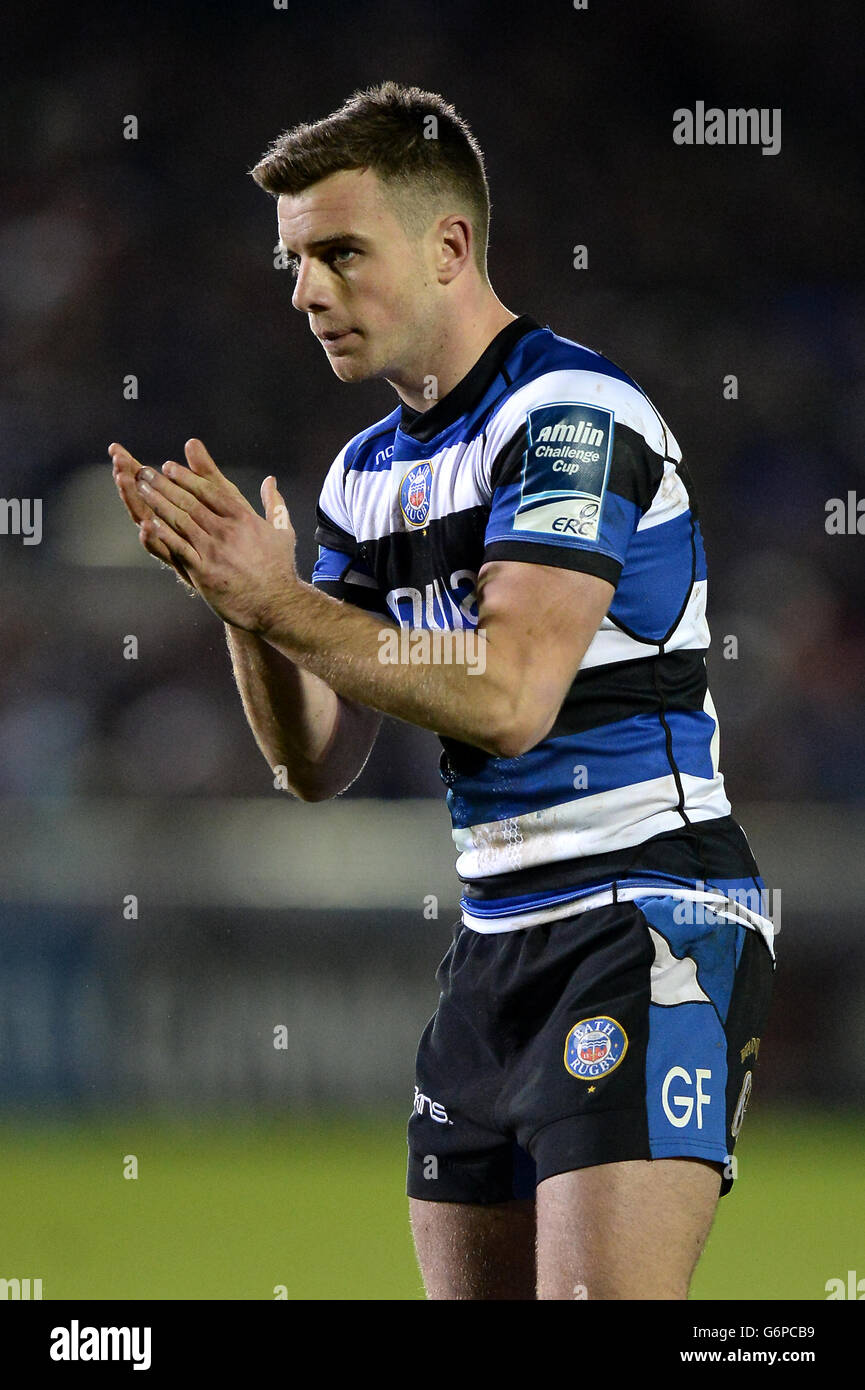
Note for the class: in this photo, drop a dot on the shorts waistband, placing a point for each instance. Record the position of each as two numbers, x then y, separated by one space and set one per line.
730 908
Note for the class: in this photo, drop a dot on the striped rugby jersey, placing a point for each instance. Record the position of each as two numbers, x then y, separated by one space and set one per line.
548 453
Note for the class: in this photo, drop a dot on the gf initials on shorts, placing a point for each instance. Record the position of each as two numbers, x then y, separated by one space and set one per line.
685 1103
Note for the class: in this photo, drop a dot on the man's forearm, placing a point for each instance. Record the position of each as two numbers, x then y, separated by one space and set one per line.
243 565
343 647
299 723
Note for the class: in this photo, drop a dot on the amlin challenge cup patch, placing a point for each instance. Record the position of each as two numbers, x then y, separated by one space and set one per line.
565 470
594 1047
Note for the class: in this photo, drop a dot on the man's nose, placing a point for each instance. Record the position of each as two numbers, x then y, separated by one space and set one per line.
309 290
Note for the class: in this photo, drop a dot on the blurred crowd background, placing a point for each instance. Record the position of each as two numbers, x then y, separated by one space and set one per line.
154 258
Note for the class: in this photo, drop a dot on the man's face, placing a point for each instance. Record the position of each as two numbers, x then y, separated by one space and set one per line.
368 290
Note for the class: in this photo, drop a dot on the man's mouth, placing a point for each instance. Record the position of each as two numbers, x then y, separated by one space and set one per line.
332 336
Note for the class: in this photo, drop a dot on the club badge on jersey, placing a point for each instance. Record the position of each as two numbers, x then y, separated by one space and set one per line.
565 470
415 492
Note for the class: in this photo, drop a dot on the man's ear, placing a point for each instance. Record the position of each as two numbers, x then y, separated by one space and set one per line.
456 246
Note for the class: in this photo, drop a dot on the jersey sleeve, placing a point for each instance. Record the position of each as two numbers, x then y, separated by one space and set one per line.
340 569
575 460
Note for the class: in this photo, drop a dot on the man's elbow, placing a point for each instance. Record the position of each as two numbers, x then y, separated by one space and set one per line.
323 790
509 744
302 788
516 734
312 793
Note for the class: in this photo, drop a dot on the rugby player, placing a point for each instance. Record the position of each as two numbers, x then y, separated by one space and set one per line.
583 1081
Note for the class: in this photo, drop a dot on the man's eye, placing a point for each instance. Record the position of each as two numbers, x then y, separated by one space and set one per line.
338 255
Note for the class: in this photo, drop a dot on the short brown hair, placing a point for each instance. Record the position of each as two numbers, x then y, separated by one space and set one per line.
413 140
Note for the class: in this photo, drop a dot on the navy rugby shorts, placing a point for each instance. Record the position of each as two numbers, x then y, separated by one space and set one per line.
629 1031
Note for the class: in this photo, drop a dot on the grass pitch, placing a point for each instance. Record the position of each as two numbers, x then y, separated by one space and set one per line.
234 1207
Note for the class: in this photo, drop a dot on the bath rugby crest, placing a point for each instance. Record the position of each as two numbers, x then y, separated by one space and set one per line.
414 494
594 1047
547 453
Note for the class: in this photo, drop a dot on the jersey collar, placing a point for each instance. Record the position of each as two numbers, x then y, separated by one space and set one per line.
424 425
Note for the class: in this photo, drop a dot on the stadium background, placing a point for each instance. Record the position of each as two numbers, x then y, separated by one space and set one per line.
152 1035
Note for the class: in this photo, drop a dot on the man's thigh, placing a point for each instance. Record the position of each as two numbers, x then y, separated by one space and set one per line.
468 1250
613 1054
631 1230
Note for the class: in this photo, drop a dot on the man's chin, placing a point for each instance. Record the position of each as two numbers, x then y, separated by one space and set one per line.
350 366
348 370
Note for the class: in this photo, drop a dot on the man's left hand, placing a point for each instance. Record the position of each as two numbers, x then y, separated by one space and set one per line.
241 563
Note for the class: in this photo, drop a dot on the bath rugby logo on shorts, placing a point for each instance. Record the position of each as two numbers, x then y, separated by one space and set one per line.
414 494
594 1047
565 470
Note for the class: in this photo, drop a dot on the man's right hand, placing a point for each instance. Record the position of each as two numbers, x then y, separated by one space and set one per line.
125 469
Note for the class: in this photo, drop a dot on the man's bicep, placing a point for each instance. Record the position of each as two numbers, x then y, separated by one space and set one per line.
543 606
539 621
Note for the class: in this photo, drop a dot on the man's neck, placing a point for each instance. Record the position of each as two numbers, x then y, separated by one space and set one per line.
455 351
